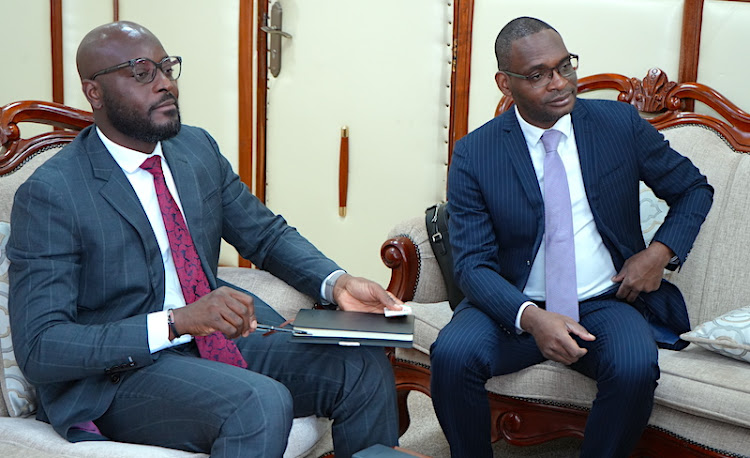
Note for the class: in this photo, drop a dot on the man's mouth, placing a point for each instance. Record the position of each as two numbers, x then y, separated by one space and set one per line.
561 100
168 103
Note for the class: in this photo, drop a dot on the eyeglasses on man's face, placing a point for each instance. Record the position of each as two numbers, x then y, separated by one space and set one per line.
144 69
542 76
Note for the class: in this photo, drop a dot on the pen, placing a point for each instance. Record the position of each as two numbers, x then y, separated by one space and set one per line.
266 327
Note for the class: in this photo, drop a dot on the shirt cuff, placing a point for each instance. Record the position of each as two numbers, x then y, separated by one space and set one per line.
520 330
158 333
326 289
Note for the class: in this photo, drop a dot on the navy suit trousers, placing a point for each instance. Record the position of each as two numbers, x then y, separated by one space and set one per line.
185 402
623 360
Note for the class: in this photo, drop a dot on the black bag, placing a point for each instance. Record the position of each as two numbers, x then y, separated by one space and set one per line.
436 219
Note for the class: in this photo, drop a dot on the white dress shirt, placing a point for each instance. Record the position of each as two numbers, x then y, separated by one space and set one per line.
594 266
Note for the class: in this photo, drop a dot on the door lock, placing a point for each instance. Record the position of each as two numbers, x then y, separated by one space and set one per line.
275 33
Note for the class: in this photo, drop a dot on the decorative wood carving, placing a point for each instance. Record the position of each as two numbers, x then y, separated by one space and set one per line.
17 149
650 95
526 422
400 255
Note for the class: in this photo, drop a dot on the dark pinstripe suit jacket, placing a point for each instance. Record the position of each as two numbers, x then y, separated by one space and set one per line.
497 212
86 267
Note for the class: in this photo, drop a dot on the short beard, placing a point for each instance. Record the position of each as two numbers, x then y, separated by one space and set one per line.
128 122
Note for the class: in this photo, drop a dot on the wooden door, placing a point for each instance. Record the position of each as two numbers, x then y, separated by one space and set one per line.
382 69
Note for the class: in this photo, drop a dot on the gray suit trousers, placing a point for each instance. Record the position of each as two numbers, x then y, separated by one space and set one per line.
185 402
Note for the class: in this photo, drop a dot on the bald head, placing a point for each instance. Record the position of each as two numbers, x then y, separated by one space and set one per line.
111 44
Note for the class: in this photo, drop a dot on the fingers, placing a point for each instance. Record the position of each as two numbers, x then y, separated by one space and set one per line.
225 310
580 331
362 295
626 293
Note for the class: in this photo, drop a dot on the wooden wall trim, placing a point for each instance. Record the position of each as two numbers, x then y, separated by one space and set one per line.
245 92
690 43
115 10
261 103
56 41
463 17
245 98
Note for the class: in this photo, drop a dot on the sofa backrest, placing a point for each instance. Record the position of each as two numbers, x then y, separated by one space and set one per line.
19 157
715 279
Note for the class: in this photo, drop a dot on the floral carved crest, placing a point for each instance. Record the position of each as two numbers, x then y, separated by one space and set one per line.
650 95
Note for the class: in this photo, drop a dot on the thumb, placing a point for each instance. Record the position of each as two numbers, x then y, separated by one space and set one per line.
580 331
619 277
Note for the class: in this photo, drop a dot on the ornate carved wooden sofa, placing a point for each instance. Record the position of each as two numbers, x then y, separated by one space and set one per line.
702 403
20 433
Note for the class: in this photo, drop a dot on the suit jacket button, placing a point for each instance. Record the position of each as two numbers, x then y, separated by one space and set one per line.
115 378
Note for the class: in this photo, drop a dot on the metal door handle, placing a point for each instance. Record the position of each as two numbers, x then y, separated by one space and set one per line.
274 30
274 38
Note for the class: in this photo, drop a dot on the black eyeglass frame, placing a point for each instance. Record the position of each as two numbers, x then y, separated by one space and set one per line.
546 77
131 63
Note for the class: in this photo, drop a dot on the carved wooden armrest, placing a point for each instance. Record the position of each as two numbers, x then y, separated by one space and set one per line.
400 255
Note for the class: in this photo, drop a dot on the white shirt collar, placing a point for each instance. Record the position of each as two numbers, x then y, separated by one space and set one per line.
128 159
533 134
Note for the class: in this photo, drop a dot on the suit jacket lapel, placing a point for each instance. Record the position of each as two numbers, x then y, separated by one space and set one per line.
118 192
587 155
190 197
514 143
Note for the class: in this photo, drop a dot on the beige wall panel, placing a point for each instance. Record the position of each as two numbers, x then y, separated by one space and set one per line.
724 62
26 51
613 36
79 17
382 68
206 35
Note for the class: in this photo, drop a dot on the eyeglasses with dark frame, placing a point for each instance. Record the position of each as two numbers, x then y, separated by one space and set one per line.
144 69
541 77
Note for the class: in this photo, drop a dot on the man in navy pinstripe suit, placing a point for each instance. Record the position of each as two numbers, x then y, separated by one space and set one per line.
93 280
497 228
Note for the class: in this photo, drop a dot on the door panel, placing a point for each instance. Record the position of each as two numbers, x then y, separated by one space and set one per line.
382 69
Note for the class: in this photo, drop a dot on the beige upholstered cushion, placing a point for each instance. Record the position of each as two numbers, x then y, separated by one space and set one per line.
728 334
715 278
429 319
430 286
18 396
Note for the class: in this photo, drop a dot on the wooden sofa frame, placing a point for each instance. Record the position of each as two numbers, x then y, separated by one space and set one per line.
526 422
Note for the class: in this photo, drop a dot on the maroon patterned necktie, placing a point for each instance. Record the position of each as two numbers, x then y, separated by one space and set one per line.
192 277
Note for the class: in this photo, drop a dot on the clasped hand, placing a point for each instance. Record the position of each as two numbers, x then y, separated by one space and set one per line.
225 309
642 272
552 333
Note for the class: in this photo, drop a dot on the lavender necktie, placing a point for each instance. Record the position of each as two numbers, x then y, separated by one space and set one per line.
187 263
560 255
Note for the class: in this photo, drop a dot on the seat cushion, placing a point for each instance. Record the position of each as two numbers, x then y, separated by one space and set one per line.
29 438
694 380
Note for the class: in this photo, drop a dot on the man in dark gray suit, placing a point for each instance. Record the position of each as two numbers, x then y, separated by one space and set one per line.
100 323
599 305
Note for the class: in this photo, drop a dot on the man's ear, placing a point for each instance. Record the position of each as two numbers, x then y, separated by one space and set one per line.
502 81
93 92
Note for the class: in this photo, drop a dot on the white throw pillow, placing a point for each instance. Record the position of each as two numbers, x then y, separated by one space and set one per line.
18 393
728 334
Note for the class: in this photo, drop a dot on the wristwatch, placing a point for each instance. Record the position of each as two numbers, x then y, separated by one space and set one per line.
673 263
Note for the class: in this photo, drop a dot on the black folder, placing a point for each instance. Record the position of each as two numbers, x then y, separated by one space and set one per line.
353 328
